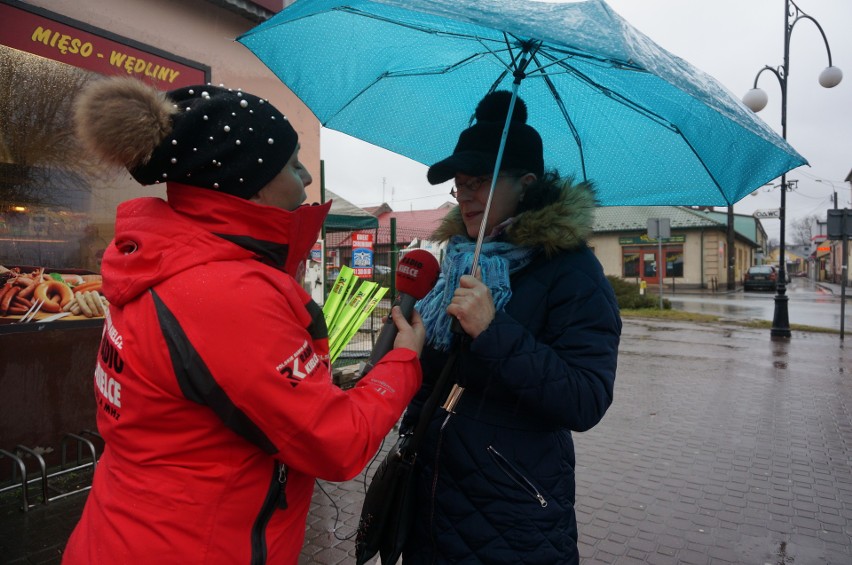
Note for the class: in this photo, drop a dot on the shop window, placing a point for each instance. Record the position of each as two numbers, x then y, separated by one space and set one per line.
630 262
45 192
57 205
674 263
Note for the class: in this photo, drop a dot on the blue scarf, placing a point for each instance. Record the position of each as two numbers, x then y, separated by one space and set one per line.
497 261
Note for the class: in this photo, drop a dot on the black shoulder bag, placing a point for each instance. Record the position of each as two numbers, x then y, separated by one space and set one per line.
388 510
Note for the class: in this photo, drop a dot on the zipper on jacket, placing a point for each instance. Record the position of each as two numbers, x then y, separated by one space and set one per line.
275 498
516 476
282 486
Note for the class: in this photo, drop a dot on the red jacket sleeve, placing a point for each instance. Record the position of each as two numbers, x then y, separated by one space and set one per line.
253 337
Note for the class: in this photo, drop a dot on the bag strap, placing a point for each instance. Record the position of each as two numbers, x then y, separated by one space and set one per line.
431 404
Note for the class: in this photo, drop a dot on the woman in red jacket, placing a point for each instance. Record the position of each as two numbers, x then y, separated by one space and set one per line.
213 383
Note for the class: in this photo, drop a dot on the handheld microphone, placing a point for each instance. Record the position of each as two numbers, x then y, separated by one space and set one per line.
416 274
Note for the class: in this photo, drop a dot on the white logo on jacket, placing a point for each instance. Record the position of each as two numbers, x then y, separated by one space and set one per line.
299 365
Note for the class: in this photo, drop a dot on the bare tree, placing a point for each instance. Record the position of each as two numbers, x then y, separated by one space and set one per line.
804 229
41 160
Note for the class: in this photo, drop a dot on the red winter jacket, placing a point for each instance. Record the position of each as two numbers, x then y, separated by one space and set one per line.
214 390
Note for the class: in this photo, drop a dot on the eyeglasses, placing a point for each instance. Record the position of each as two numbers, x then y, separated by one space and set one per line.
473 185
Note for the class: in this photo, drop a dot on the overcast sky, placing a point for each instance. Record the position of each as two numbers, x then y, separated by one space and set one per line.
730 40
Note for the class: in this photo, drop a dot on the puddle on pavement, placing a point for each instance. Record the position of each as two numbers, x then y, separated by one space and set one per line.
779 350
769 551
783 557
655 328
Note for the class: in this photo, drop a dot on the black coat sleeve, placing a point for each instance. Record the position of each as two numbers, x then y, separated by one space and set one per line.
562 370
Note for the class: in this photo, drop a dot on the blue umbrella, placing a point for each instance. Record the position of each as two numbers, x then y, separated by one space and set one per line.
611 106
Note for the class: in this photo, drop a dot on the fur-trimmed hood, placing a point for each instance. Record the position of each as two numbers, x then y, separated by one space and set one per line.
563 225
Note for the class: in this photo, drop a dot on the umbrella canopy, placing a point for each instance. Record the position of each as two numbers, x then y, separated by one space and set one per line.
611 106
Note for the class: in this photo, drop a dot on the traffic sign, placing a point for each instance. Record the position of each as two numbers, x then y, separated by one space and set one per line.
839 223
768 213
659 228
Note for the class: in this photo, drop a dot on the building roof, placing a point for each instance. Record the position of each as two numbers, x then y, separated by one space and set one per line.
744 225
635 218
628 218
416 223
421 224
377 211
345 216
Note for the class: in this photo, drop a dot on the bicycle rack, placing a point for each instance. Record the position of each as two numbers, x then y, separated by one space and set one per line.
44 476
23 469
79 463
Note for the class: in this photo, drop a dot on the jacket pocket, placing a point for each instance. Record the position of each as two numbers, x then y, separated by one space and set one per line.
516 476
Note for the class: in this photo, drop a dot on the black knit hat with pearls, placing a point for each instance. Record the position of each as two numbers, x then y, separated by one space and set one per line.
225 140
205 136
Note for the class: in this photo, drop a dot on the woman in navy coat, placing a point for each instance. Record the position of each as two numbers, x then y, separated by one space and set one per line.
495 473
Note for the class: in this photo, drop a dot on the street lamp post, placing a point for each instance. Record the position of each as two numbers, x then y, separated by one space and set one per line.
756 100
732 253
849 180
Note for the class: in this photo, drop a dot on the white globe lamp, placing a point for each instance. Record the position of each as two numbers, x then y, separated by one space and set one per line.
830 77
756 99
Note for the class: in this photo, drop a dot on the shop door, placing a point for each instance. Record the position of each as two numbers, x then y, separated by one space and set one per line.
648 267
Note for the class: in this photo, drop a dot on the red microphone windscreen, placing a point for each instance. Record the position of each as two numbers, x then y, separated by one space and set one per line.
417 273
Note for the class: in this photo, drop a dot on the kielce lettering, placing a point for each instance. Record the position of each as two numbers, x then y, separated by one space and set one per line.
109 388
112 332
109 356
409 270
299 365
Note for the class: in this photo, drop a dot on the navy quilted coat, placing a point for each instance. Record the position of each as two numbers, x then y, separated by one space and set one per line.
495 480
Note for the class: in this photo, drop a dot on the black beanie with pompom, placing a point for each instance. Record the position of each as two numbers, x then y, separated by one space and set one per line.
205 136
476 151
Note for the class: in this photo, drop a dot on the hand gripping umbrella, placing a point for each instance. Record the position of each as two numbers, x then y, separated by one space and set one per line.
611 106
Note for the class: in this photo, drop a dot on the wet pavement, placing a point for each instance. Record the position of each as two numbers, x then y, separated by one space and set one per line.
809 303
722 446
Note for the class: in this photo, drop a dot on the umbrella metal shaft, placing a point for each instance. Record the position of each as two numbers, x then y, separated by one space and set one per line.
456 392
482 226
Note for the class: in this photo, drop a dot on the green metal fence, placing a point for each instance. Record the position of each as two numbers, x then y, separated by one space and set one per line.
388 244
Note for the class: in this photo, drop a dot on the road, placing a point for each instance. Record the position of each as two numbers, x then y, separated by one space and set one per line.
809 305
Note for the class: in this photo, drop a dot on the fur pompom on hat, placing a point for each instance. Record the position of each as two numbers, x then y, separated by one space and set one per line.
204 136
476 151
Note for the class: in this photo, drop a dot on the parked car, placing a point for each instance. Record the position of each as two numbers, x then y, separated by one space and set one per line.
760 277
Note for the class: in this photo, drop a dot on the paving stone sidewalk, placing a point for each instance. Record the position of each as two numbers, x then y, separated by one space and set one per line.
722 446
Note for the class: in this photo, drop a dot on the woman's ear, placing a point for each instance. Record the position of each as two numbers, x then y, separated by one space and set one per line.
528 180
